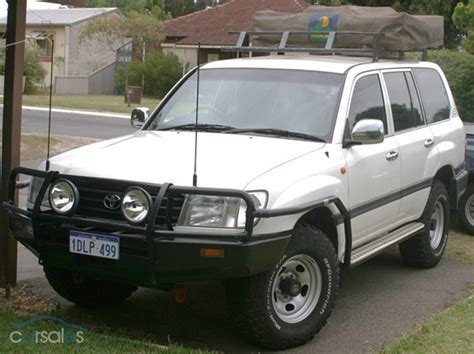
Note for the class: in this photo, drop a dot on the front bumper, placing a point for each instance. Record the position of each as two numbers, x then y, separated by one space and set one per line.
152 254
176 260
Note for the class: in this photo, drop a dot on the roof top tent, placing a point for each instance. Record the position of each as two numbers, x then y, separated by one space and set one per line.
350 30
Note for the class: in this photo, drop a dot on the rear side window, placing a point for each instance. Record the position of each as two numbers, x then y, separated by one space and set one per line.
367 101
433 95
404 100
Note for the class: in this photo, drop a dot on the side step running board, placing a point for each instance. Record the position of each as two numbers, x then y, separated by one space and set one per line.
378 245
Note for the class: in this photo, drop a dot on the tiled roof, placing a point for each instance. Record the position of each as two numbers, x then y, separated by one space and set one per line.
211 26
62 16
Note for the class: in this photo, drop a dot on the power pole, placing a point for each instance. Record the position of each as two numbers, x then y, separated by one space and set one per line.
15 50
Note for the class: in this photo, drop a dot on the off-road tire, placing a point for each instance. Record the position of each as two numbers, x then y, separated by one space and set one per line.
86 291
464 218
250 299
418 251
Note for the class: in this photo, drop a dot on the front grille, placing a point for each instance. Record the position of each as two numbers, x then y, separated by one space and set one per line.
92 192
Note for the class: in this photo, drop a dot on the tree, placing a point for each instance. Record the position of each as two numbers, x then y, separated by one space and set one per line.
463 18
177 8
445 8
141 28
32 70
154 7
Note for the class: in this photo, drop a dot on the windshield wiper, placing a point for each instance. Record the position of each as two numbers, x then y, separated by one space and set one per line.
277 132
200 127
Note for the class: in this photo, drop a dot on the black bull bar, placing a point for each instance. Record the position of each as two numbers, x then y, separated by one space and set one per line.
166 190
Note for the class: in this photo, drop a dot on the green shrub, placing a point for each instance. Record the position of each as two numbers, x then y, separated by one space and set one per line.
160 72
459 70
134 71
33 71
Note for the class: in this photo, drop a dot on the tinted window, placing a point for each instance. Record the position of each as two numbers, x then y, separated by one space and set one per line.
367 101
433 95
404 101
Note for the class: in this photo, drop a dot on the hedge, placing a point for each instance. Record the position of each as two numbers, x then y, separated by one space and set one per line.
459 70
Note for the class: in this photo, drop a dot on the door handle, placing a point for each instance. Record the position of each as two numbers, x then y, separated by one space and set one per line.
429 143
392 155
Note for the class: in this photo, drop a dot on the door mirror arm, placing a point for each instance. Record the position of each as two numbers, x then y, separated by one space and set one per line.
348 143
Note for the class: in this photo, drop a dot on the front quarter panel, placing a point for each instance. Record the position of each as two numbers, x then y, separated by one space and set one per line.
313 177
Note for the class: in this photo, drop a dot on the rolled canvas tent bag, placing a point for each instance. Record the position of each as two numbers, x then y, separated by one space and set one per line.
402 32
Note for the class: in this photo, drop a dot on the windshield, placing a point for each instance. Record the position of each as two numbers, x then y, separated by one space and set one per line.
243 100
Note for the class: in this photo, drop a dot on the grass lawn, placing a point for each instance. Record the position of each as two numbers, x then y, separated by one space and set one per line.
89 341
92 342
97 103
451 331
48 335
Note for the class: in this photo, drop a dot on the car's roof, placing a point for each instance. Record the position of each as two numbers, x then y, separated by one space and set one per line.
325 63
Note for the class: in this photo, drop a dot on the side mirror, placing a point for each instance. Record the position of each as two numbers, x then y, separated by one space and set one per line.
368 131
139 116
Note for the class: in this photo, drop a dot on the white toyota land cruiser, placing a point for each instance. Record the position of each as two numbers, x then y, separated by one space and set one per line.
290 169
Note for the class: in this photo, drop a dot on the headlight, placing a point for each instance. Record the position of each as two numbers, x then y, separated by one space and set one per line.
136 204
63 196
213 211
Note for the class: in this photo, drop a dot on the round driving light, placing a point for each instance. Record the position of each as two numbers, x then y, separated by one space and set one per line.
136 204
63 196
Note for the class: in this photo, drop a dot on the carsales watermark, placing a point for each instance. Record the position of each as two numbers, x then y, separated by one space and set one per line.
30 332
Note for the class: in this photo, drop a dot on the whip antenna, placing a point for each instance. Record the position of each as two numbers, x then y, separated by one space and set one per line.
50 104
197 117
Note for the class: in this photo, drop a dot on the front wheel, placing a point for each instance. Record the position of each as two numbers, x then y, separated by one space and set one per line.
426 249
287 305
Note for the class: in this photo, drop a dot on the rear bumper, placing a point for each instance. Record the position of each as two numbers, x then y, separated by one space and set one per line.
457 188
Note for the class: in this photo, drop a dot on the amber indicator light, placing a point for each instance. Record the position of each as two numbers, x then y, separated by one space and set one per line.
212 252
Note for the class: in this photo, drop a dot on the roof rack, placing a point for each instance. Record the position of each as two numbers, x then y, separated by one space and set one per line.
243 44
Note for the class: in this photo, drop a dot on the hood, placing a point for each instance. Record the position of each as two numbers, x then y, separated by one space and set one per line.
224 160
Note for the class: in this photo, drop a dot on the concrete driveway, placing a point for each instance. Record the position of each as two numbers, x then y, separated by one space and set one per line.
379 301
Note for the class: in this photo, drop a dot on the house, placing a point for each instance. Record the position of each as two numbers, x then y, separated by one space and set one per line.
73 57
211 28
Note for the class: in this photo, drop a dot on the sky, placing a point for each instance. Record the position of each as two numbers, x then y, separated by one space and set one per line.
32 4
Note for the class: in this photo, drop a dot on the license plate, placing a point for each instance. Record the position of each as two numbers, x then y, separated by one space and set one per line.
96 245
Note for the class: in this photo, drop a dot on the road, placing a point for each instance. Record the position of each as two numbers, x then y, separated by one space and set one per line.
90 126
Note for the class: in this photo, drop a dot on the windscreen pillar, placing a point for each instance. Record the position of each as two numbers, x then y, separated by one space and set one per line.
13 90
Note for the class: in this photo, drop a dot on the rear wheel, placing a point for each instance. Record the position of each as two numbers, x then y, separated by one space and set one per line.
466 209
287 305
426 249
87 291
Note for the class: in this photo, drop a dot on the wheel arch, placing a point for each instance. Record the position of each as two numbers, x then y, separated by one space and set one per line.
325 220
445 175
